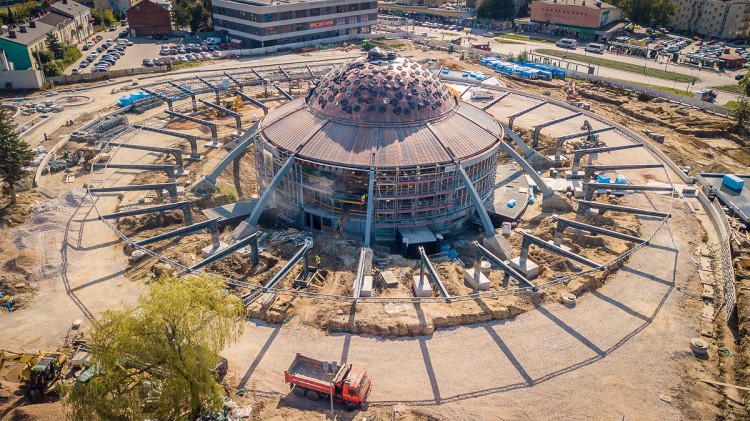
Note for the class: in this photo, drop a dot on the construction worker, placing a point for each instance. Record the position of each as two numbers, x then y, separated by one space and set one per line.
8 303
317 260
364 198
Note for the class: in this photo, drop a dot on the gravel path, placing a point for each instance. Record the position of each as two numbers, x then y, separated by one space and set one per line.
610 356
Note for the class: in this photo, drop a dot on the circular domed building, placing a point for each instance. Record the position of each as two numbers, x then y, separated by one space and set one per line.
379 135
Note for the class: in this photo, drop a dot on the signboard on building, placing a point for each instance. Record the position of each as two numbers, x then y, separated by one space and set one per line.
321 24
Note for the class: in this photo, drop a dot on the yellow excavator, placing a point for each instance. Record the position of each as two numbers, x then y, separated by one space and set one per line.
40 371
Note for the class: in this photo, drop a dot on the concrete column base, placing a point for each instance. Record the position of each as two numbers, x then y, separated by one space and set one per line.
530 270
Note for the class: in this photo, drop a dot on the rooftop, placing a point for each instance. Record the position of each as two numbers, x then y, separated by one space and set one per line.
586 3
69 8
29 37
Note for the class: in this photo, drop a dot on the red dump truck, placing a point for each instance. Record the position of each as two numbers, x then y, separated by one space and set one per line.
315 379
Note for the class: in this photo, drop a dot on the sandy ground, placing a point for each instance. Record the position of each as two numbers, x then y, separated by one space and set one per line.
604 359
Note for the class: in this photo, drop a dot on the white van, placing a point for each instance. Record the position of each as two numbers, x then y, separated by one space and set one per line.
567 43
121 41
595 48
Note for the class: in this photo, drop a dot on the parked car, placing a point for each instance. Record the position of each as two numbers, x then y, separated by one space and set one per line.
567 43
112 28
88 46
595 48
739 76
216 54
76 71
148 62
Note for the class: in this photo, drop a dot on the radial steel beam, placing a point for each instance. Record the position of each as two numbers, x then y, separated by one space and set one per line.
159 95
477 201
170 187
284 72
504 266
584 205
361 267
210 125
426 264
591 169
512 117
577 155
251 239
253 101
283 92
527 152
183 206
235 80
370 206
170 170
262 79
529 239
177 153
559 141
590 188
212 225
310 70
538 128
528 169
563 223
237 116
266 196
213 87
192 139
187 91
487 106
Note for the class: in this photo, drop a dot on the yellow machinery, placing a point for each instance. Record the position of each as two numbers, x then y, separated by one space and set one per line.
40 372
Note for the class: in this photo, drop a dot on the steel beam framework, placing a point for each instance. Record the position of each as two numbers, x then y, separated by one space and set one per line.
302 254
212 225
513 117
169 187
183 206
560 141
527 152
192 139
426 264
538 128
253 101
170 170
252 240
563 223
283 92
477 201
175 152
237 116
589 170
577 155
529 239
187 91
362 264
528 169
495 101
584 205
216 89
590 188
508 271
210 125
163 97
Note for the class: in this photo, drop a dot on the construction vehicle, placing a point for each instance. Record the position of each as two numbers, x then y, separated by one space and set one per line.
40 372
573 92
316 380
708 95
483 47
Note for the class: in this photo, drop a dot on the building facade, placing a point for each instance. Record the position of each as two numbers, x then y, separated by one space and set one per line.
148 18
575 13
425 13
712 18
68 20
274 22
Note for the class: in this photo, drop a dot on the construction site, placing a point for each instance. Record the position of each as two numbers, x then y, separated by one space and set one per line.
465 239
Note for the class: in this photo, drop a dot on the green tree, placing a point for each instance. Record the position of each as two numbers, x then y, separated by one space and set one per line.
647 12
108 17
154 360
10 19
15 154
496 9
745 83
742 113
54 45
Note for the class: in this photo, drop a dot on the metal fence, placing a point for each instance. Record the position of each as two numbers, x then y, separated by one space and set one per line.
720 222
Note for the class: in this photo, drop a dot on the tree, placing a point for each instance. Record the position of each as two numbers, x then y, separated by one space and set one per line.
54 45
647 12
745 83
662 12
742 113
496 9
15 154
108 17
11 19
154 360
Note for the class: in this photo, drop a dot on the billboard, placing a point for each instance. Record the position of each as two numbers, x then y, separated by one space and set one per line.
321 24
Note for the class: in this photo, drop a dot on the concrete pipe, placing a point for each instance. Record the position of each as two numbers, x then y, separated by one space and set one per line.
568 299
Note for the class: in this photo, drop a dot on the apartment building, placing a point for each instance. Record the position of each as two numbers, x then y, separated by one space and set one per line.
712 18
265 23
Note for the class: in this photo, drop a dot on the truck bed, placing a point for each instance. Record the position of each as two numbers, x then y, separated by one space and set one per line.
304 367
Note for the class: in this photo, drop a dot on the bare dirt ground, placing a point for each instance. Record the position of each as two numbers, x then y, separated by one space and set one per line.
621 352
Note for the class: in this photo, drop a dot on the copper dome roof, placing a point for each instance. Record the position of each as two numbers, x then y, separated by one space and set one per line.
428 127
382 88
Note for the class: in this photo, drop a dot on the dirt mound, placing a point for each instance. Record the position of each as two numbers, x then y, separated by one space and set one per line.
39 412
26 262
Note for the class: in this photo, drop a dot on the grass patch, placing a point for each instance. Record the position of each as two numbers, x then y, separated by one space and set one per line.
668 89
627 67
502 40
734 89
732 105
525 38
185 64
450 34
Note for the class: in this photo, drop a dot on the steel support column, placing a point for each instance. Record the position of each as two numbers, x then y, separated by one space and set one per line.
370 205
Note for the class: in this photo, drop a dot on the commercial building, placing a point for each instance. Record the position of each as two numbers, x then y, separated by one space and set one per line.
265 23
587 20
712 18
122 5
426 13
68 20
148 18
